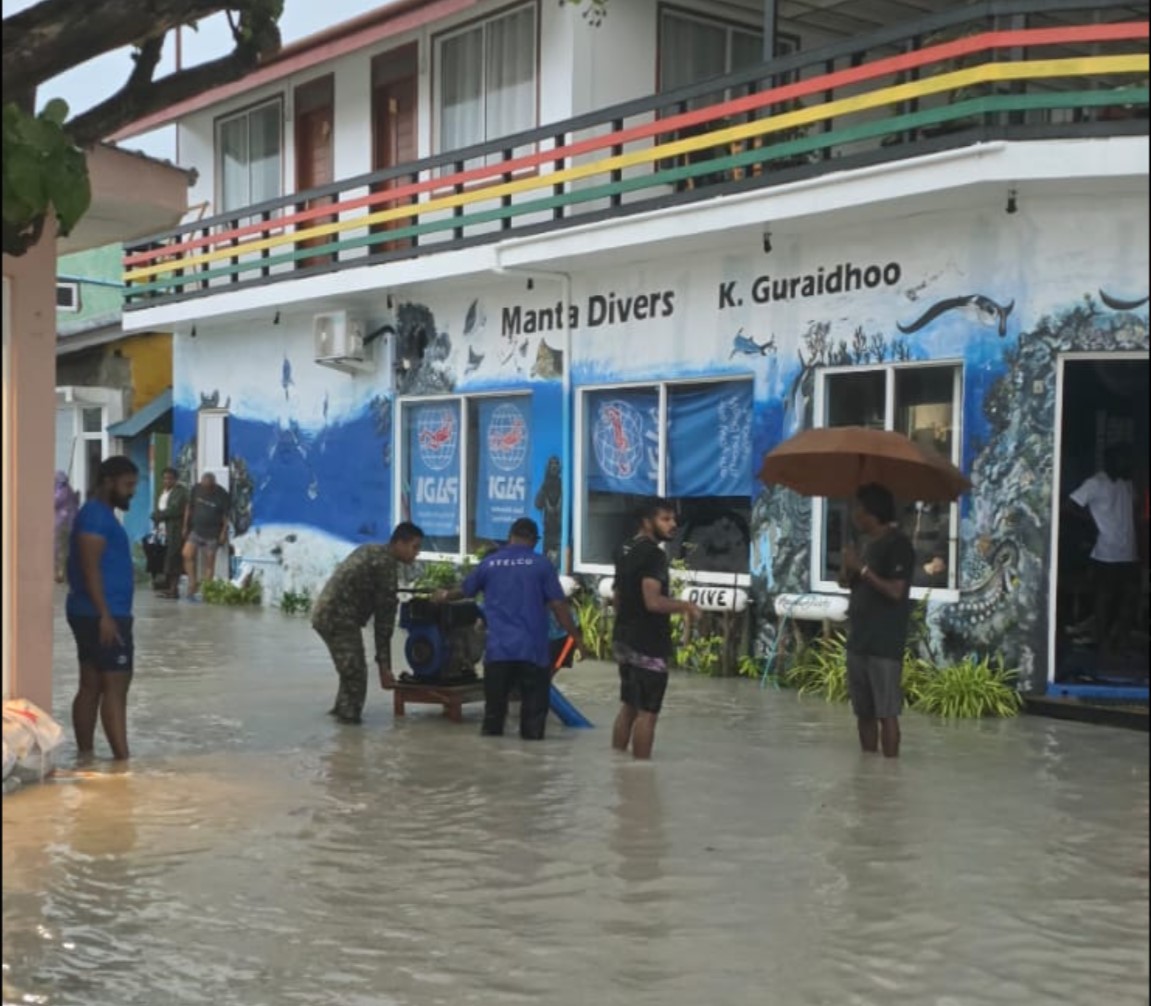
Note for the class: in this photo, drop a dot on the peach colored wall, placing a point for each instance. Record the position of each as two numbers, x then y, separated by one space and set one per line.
28 459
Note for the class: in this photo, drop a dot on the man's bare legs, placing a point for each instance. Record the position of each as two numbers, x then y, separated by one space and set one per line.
876 734
86 709
191 557
621 730
102 695
637 728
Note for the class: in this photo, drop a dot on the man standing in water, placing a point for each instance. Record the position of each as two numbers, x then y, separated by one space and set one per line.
879 614
205 530
364 586
101 582
642 643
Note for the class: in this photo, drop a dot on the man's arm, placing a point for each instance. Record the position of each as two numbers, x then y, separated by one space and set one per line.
384 621
898 565
657 604
893 590
91 550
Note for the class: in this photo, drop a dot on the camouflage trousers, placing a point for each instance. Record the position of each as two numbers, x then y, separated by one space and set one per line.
346 645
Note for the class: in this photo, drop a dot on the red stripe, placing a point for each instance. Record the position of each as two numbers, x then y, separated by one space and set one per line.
1028 37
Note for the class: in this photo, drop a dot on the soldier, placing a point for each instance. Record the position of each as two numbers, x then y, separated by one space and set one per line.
363 586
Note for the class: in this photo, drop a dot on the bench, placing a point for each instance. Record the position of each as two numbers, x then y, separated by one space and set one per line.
451 697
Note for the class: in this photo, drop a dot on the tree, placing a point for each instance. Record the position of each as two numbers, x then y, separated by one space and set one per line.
45 169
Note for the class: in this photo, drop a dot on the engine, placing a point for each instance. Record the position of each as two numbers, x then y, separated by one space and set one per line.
445 641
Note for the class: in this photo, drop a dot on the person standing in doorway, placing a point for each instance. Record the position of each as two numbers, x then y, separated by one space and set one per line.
364 586
641 641
519 587
101 582
879 616
205 530
66 502
169 520
1108 499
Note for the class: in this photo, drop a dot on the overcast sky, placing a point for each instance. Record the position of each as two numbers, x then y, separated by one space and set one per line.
90 83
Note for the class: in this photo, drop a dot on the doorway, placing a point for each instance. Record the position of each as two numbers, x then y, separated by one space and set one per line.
1103 406
315 157
395 136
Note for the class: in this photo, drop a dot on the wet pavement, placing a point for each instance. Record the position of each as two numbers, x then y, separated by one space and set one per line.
257 854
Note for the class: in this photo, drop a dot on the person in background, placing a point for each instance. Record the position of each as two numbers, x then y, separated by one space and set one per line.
101 583
205 530
169 520
364 586
66 502
879 616
641 640
520 587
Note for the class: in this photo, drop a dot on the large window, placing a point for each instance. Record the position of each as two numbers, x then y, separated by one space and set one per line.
486 81
466 466
690 442
249 155
694 48
924 403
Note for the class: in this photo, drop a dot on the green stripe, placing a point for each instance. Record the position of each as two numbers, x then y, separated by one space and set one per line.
765 154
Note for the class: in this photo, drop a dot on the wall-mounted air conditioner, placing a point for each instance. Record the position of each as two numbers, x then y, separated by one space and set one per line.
339 343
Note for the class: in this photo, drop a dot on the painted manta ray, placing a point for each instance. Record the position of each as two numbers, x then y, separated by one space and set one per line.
743 345
985 310
1117 304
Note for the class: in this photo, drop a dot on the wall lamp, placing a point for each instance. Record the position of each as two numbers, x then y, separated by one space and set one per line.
767 242
1012 204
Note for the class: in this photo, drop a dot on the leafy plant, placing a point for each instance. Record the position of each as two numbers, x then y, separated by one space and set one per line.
820 669
438 576
750 667
971 689
296 602
703 655
225 592
595 622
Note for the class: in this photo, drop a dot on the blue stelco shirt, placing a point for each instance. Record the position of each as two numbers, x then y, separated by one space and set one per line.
518 585
99 519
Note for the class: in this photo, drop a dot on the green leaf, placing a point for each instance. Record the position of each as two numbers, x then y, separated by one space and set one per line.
56 111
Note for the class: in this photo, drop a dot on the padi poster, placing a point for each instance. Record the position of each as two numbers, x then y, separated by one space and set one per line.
709 440
623 453
504 465
434 450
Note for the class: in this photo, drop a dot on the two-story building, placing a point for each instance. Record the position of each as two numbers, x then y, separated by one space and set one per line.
470 259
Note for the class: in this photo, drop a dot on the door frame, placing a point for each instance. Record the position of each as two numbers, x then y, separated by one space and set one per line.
1061 361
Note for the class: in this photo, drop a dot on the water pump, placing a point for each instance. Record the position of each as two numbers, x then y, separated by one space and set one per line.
445 641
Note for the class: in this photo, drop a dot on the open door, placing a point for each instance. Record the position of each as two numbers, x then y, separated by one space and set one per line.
315 160
395 86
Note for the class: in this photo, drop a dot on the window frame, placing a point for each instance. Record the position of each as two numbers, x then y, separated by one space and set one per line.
481 23
218 153
73 287
707 19
579 471
400 447
819 504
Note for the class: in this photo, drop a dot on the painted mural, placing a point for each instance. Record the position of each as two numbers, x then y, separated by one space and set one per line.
312 452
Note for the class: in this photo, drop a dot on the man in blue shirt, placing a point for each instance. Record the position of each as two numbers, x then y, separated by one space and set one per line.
101 582
519 587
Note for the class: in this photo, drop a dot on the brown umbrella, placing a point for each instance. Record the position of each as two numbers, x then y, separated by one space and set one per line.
836 460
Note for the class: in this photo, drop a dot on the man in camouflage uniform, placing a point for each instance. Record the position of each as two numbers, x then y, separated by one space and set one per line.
363 586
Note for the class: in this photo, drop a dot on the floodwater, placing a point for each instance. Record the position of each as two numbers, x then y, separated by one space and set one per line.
258 854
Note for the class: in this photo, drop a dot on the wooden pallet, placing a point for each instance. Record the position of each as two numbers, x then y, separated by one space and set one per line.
452 698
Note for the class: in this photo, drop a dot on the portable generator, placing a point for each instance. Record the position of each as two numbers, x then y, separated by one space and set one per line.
445 641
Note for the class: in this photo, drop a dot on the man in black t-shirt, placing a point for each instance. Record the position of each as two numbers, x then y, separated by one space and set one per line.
879 615
642 642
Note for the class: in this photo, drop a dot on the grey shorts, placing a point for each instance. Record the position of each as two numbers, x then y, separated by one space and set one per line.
875 685
212 544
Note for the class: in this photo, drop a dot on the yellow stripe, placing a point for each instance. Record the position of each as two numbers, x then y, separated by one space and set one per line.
984 73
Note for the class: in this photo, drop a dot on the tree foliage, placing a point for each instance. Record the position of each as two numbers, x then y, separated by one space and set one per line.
44 167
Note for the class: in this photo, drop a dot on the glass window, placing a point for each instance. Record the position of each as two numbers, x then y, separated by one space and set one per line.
693 48
499 467
431 472
93 420
922 403
487 80
249 157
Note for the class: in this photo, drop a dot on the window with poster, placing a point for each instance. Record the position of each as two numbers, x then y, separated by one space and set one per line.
466 469
924 402
687 441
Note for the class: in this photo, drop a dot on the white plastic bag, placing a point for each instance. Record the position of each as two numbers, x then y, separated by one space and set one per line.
30 737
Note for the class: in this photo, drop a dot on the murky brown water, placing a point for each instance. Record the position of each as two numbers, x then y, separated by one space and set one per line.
259 855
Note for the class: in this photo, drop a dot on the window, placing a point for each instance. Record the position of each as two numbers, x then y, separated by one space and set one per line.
690 442
463 506
486 84
924 403
693 48
68 297
249 152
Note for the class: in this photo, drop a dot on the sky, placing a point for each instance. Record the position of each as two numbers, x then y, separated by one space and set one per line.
88 84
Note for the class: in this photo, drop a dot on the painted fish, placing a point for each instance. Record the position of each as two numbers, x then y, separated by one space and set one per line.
474 361
983 309
325 406
286 377
743 345
1118 304
473 317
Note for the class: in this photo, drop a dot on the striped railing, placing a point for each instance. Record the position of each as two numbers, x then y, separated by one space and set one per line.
1014 70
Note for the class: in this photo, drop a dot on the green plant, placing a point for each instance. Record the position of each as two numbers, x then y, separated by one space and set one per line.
820 669
971 689
749 666
296 602
438 576
224 592
702 654
595 622
917 675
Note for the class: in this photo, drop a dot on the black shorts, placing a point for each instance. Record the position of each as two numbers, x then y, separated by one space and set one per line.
86 630
642 689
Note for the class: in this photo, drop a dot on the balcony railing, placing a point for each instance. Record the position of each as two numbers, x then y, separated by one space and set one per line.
1015 70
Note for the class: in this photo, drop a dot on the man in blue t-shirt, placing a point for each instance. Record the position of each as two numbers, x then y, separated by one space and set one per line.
519 588
101 582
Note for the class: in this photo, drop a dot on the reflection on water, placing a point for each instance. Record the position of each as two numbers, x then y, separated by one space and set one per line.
256 853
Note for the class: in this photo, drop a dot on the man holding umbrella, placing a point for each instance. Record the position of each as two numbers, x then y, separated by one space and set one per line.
879 615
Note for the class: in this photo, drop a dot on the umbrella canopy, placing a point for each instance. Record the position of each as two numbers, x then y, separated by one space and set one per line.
836 460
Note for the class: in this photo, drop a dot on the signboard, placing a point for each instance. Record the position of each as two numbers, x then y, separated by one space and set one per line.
709 439
623 449
504 465
716 598
812 607
434 459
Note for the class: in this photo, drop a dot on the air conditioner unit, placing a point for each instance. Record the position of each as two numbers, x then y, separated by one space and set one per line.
339 342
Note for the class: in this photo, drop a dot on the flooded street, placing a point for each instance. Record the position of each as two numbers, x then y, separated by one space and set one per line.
258 854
